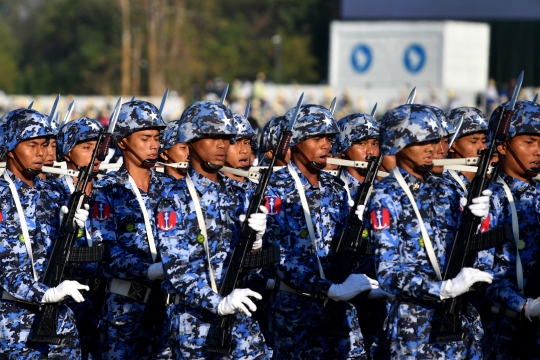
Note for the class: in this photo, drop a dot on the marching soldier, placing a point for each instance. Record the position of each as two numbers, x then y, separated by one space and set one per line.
512 331
269 141
29 225
298 190
172 151
198 229
410 250
124 214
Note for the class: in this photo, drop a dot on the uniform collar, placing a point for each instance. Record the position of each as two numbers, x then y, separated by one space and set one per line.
414 183
203 184
38 182
514 183
305 182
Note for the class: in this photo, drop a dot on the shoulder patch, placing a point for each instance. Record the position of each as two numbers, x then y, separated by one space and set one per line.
380 218
102 211
273 205
166 220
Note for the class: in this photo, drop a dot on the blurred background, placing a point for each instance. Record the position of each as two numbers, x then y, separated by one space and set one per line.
458 52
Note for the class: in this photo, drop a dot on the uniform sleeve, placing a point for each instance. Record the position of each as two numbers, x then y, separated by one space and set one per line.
399 271
298 266
185 264
122 264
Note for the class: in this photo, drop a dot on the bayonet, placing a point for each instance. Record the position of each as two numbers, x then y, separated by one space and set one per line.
133 98
53 110
68 113
102 153
333 106
374 109
31 104
163 101
411 96
535 98
224 94
458 128
248 105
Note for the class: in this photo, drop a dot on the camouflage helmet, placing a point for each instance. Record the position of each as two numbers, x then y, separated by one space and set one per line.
270 134
525 119
137 115
243 127
446 127
473 120
75 132
204 119
312 120
170 136
25 124
353 129
407 124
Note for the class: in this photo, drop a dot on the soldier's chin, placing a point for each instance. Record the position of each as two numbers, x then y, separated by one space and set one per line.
426 167
150 162
32 171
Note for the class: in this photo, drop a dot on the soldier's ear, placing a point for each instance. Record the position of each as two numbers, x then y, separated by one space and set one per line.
164 156
10 155
501 148
122 144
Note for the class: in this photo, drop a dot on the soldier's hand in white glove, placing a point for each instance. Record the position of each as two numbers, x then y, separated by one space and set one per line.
354 285
237 301
257 222
480 205
80 217
155 271
66 288
532 308
463 282
360 211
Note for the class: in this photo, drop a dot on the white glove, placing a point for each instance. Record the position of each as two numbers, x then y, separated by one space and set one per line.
480 205
532 308
463 282
257 222
354 285
155 271
380 294
80 217
237 301
360 211
66 288
351 203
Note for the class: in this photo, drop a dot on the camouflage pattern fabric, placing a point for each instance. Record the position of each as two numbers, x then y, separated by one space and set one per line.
137 115
473 120
312 120
24 124
204 119
75 132
353 129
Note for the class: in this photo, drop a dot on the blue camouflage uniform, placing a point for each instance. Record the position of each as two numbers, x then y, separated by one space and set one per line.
41 205
402 263
88 312
295 319
127 330
182 246
506 334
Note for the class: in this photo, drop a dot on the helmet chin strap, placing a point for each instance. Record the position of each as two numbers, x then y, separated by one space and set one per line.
181 171
28 171
532 172
147 162
425 167
207 164
314 164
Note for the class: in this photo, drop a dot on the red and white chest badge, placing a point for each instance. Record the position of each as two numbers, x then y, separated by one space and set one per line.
1 216
166 220
102 211
380 219
485 225
273 205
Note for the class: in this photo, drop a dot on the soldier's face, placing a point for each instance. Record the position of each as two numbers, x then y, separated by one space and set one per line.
51 152
177 153
213 149
141 145
441 150
519 154
81 155
360 150
239 154
414 156
31 154
315 148
468 146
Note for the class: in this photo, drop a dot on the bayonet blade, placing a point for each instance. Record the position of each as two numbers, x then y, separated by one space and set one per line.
411 96
114 117
458 128
535 98
53 110
248 105
296 111
68 113
333 106
517 89
224 94
32 104
132 99
374 109
163 101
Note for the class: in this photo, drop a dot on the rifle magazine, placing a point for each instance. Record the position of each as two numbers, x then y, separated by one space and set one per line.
489 239
263 258
90 254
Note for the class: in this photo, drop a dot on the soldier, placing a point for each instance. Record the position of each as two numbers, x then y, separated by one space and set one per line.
124 214
470 139
410 251
302 188
172 151
29 225
198 229
269 141
51 152
76 141
239 153
512 331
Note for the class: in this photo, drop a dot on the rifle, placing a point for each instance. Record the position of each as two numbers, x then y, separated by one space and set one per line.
350 245
44 326
243 258
467 241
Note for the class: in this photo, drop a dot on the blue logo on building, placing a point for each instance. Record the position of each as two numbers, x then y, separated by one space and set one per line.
361 58
414 58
